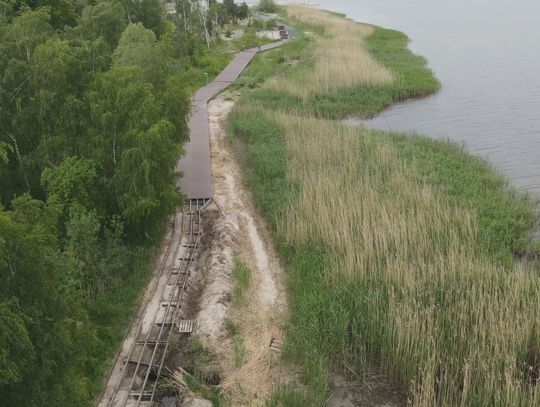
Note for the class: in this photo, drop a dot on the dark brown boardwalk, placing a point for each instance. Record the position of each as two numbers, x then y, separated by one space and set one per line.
196 182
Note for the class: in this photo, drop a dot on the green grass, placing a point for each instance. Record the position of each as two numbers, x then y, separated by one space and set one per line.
413 78
274 63
344 325
504 215
240 351
200 380
250 40
242 278
289 396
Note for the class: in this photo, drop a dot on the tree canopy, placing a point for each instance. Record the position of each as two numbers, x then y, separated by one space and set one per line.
267 6
94 98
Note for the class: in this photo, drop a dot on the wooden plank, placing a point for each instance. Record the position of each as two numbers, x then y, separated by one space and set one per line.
195 164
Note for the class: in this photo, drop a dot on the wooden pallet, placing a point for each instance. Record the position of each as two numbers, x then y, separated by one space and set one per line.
275 345
185 326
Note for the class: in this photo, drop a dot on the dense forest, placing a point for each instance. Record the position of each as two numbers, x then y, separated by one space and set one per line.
93 103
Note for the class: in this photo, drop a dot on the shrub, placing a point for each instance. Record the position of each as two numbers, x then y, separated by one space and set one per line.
267 6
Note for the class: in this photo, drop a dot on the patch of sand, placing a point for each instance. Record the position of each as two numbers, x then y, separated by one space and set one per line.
246 378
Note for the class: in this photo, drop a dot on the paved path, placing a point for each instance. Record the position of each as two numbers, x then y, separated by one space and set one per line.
196 182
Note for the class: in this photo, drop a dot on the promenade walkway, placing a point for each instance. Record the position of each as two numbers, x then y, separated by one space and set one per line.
196 182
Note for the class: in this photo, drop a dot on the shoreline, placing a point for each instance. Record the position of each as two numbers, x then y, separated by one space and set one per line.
465 232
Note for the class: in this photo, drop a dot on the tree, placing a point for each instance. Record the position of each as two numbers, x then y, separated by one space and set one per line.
16 350
267 6
35 281
4 149
92 118
217 14
122 105
138 47
106 19
146 179
176 106
74 182
62 12
243 11
51 68
184 11
18 42
151 13
231 9
202 8
6 10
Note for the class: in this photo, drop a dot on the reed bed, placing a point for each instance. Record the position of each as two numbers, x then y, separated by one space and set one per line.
461 329
454 327
389 269
340 60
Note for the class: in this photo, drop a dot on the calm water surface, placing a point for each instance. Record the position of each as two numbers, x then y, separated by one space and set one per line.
486 53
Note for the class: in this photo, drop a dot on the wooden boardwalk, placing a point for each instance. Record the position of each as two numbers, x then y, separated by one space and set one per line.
196 182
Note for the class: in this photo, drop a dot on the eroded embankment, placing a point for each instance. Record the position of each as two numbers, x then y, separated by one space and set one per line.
240 324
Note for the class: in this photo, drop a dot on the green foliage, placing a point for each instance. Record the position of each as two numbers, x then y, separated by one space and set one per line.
267 6
17 352
62 12
92 116
74 181
243 11
106 20
274 64
36 277
4 149
242 278
257 24
240 351
504 215
150 13
231 9
250 40
202 379
270 24
144 181
138 47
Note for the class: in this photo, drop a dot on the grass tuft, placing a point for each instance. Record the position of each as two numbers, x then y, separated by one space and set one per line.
242 278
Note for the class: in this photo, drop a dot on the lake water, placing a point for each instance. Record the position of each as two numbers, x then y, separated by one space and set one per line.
486 53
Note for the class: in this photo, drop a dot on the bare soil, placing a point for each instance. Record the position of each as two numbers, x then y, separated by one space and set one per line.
373 391
248 367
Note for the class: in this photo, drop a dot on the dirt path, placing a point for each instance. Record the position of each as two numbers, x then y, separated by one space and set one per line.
240 334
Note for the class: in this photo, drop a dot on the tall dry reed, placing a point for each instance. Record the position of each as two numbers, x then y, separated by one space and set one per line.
340 60
460 330
380 220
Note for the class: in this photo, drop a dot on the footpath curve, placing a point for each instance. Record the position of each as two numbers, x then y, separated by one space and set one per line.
196 182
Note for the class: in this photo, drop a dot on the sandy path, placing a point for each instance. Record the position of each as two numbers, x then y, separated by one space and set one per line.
240 234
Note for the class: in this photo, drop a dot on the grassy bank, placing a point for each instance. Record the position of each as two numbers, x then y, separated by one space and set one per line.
400 249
